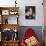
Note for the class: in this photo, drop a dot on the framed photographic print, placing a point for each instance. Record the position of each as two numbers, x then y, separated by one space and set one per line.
5 12
30 12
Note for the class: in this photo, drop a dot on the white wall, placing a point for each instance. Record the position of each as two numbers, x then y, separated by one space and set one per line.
7 3
39 13
22 3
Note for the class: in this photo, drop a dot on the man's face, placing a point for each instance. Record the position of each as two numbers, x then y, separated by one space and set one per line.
30 10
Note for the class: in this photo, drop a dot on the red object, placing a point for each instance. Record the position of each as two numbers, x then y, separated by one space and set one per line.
29 33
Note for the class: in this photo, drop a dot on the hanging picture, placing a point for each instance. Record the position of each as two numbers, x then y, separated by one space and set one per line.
5 12
30 12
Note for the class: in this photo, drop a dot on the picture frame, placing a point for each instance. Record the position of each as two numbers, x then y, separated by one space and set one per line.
30 12
5 12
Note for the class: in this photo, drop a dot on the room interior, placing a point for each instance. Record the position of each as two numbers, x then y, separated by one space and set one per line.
16 18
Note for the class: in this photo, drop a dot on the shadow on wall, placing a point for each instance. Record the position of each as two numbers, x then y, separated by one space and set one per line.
37 29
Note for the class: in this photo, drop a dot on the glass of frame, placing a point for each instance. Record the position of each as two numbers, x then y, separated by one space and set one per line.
30 12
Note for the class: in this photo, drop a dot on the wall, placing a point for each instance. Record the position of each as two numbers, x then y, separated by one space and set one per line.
22 3
7 3
39 13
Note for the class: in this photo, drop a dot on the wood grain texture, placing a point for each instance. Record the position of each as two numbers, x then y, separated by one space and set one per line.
44 6
11 26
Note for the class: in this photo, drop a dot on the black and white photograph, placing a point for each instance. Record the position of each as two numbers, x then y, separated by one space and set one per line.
30 12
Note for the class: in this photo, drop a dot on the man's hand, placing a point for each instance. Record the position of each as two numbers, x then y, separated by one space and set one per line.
32 41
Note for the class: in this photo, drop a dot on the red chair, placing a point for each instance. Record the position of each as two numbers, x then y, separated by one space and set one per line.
29 33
